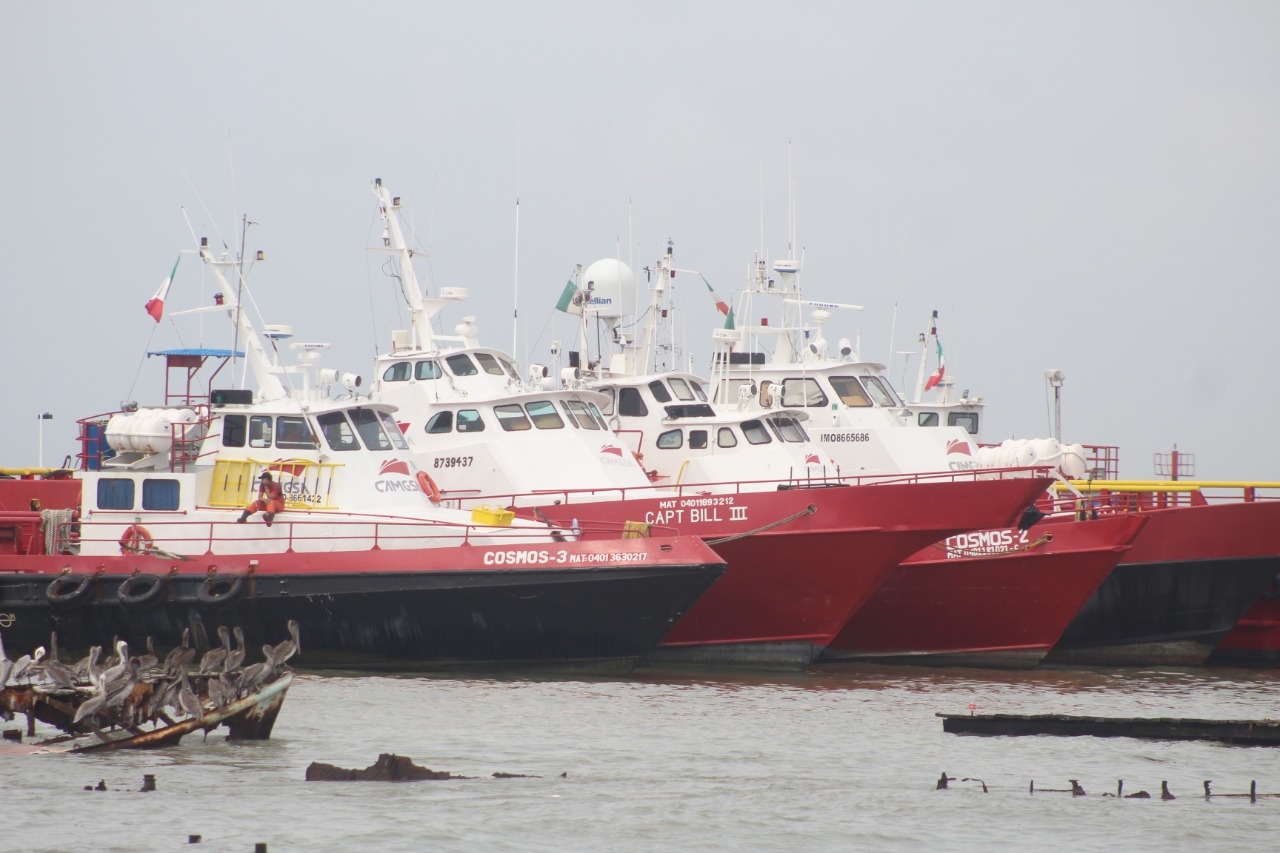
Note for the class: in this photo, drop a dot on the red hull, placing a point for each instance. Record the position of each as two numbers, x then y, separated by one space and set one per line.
789 589
1002 608
1255 640
1191 575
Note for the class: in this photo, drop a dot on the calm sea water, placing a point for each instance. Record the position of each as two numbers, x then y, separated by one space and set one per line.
838 759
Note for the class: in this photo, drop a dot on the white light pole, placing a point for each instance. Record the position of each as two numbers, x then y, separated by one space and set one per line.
40 419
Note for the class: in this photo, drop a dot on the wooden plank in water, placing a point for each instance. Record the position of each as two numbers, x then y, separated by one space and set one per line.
1240 732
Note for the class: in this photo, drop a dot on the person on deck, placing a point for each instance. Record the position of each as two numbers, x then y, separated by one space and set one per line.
270 500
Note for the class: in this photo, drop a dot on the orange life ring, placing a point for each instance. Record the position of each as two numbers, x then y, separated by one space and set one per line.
429 487
136 538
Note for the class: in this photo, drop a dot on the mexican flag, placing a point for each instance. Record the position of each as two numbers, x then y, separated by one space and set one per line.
570 299
721 305
936 376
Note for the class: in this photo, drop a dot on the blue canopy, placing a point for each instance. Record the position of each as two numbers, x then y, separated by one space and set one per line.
203 353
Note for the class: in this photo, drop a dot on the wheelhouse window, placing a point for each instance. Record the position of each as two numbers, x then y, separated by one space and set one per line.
260 431
398 372
850 391
580 415
789 429
595 413
294 433
799 393
469 420
968 421
489 364
160 494
461 365
511 418
697 439
730 389
680 388
441 422
115 493
659 391
726 437
393 430
427 370
370 429
233 430
543 414
337 432
698 391
882 392
631 404
928 419
672 439
755 432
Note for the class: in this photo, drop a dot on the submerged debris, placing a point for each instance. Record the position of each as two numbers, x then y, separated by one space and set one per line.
388 768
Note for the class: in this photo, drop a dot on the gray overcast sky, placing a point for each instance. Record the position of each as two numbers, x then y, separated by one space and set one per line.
1092 187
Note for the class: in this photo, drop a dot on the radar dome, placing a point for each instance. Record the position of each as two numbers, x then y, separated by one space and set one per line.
612 288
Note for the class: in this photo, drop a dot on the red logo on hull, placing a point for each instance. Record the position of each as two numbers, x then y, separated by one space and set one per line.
394 466
611 449
955 445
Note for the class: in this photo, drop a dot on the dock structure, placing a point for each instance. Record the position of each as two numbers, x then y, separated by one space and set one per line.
1236 732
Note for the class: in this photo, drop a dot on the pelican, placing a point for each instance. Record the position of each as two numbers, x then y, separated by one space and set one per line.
94 703
87 667
178 658
214 658
23 664
187 699
282 652
236 657
253 676
6 665
122 654
149 660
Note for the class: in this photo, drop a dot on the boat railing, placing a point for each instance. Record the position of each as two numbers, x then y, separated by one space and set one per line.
734 487
182 538
1109 497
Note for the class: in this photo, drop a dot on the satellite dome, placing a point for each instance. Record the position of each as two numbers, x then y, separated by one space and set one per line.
609 287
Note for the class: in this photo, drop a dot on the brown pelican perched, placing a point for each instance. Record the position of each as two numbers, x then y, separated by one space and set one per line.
22 666
187 699
236 656
215 658
111 673
256 674
282 652
86 669
96 701
149 660
178 658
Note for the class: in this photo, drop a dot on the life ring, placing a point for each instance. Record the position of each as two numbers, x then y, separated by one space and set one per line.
140 590
136 539
429 487
220 589
69 590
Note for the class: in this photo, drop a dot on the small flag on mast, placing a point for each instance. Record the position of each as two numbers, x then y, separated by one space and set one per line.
155 305
936 376
721 305
570 302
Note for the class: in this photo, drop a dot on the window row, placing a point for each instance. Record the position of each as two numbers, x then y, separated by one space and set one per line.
513 417
806 392
375 428
754 431
460 364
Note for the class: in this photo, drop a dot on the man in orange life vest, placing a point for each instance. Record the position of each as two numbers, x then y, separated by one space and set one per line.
270 500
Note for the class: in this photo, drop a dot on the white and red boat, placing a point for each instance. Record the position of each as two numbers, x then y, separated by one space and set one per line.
142 541
788 530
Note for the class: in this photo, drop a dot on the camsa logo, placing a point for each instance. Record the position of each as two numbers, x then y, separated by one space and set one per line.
612 450
812 459
404 426
394 466
955 445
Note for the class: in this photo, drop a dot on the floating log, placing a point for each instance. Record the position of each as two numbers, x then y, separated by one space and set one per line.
388 768
1237 732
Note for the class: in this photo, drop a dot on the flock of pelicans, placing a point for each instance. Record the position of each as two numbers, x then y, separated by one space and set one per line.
126 691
